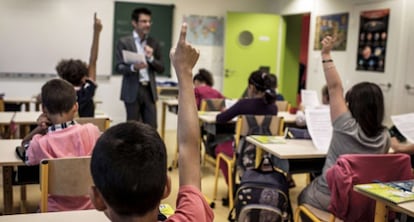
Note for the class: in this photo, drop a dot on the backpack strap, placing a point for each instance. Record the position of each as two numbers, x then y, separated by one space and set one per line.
265 126
252 123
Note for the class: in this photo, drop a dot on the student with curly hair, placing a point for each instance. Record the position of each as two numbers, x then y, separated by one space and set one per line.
83 76
203 87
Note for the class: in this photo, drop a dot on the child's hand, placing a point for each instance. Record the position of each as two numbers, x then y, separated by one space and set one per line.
97 25
184 56
327 44
43 122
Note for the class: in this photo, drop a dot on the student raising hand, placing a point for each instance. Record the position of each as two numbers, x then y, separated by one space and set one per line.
184 56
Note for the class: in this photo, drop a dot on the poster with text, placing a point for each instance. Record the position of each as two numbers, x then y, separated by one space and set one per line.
372 40
336 24
205 30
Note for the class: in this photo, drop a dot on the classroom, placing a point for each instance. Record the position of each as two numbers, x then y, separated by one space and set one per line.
36 35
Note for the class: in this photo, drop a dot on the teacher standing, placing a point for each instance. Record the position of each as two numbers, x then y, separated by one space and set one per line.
138 90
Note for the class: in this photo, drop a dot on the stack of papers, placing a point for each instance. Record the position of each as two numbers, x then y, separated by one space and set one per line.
405 124
133 57
318 121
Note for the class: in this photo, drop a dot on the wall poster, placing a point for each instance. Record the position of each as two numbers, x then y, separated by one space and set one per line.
372 40
335 24
205 30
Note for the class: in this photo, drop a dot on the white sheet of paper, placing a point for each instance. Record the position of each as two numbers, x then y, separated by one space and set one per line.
230 102
405 124
309 98
318 121
132 57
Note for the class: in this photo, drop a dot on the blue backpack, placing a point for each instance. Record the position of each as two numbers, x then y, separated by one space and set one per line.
263 195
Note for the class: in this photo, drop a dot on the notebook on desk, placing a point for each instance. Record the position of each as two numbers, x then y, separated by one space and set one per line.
396 191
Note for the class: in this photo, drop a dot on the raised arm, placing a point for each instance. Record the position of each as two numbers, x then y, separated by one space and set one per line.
97 28
184 57
336 92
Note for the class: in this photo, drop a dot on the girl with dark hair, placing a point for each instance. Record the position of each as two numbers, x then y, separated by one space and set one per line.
357 126
203 87
260 101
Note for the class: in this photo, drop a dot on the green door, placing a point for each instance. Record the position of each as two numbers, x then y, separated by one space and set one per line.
251 41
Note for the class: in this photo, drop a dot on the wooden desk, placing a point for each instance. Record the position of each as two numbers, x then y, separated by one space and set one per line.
302 155
288 118
8 160
64 216
20 100
382 205
23 119
172 105
292 149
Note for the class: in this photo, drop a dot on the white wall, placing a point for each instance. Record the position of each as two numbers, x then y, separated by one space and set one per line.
399 48
35 35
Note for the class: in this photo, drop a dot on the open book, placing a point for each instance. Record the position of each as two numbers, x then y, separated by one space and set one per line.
396 192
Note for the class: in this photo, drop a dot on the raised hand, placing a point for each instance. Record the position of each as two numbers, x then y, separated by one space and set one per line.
97 24
327 44
184 56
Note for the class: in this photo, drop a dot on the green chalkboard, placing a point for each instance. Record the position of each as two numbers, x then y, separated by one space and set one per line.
161 29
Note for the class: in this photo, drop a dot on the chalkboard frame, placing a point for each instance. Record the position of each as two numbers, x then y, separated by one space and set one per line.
161 29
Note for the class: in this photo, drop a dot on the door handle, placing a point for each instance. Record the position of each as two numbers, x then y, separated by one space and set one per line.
228 72
408 87
385 86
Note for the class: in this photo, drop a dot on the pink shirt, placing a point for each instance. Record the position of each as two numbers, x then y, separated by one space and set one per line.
76 140
206 92
191 206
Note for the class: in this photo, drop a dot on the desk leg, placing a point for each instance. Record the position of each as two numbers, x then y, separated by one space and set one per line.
258 156
381 212
27 106
7 189
164 111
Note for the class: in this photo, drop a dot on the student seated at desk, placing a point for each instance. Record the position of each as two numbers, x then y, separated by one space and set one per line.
58 135
83 76
273 84
203 87
129 162
260 101
357 125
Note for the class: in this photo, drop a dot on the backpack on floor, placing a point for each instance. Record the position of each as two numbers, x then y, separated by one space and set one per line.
263 196
246 152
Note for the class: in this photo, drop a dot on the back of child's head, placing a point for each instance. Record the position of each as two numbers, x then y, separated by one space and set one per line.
273 80
263 83
58 96
72 70
366 104
129 168
204 76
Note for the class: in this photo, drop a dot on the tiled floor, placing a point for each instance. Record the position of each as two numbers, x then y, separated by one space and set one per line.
221 213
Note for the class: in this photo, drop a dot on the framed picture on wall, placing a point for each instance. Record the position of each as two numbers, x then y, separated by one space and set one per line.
333 25
372 40
205 30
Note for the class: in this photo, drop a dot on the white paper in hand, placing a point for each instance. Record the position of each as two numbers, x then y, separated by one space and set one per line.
133 57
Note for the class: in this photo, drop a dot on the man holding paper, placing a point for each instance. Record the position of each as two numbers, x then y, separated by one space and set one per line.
138 58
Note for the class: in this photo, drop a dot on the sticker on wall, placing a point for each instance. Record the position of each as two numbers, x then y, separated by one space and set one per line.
205 30
372 40
335 24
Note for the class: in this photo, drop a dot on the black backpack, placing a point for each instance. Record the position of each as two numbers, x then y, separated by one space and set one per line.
263 195
246 152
